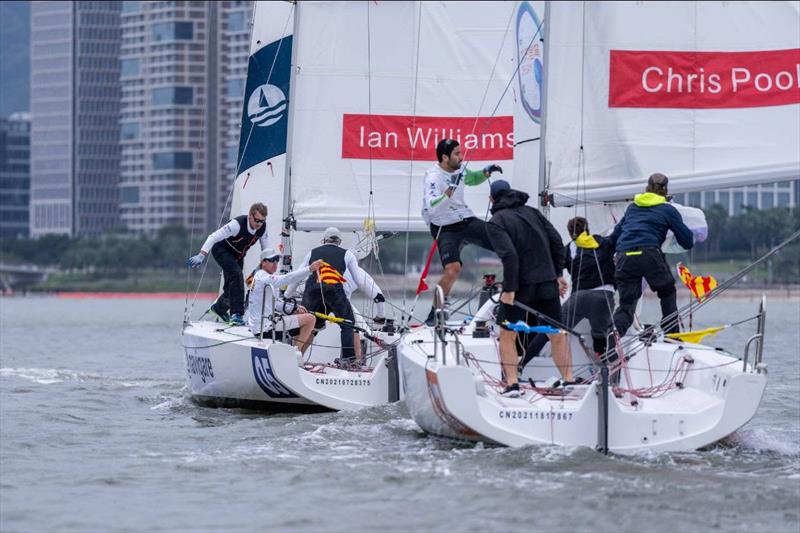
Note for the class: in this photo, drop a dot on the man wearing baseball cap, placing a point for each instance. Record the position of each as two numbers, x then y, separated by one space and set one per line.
325 292
533 259
278 313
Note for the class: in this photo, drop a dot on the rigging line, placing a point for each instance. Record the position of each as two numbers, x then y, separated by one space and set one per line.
494 67
371 204
672 318
516 70
411 161
244 150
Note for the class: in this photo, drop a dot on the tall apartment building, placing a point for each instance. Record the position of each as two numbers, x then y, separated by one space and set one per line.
234 52
15 177
764 196
74 101
169 113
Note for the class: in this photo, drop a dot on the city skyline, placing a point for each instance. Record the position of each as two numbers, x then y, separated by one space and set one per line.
135 111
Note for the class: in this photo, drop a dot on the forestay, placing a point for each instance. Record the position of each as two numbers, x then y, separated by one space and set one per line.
707 93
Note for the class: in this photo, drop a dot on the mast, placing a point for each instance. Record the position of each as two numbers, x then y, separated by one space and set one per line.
543 178
287 219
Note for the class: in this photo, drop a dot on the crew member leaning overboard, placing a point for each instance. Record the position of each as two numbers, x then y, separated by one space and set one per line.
638 238
229 245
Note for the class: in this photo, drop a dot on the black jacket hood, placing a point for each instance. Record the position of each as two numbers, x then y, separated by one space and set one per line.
510 198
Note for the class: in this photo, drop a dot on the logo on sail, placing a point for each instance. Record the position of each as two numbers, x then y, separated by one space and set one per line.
265 113
266 105
530 56
265 377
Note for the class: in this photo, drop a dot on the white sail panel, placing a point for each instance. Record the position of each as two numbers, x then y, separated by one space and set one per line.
619 85
377 85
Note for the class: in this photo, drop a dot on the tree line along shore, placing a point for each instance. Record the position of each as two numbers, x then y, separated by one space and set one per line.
123 262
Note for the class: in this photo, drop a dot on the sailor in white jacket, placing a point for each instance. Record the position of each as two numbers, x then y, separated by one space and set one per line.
278 313
452 222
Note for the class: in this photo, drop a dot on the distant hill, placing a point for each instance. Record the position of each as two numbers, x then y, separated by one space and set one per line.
14 57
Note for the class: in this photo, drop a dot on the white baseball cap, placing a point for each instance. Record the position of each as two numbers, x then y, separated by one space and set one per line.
270 253
331 233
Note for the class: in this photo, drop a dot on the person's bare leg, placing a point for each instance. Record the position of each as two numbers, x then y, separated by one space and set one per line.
303 339
357 346
508 355
561 355
449 277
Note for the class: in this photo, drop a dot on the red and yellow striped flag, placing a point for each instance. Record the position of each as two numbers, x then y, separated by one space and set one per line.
700 286
329 275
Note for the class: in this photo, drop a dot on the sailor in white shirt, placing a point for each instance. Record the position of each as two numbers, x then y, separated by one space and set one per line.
452 222
229 244
278 314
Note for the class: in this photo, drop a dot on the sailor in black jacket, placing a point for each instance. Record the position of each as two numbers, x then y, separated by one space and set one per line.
590 262
533 259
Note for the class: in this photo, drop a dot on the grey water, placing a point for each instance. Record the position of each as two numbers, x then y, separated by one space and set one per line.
97 434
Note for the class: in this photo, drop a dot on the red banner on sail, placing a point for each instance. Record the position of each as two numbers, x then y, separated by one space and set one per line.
698 80
405 138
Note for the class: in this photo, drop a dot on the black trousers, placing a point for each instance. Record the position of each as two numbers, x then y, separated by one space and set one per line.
596 305
324 298
650 264
232 297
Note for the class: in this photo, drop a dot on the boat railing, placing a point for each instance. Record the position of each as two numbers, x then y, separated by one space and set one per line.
757 338
271 315
439 330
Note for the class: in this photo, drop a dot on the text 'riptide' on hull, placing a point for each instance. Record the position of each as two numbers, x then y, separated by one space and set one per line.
673 397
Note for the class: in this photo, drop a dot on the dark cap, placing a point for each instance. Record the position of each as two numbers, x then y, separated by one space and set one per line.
497 187
658 179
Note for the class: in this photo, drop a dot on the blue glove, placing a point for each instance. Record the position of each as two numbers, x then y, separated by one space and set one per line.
196 260
488 169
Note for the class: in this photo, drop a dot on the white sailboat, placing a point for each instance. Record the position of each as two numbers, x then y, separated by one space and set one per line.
345 103
631 88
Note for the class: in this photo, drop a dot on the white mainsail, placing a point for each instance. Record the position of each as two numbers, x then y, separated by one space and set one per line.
707 93
376 86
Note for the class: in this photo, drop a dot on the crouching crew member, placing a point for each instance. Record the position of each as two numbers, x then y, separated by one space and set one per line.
264 294
533 258
229 245
638 238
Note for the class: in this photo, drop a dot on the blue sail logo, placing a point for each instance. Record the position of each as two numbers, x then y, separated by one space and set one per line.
265 378
530 54
265 113
266 105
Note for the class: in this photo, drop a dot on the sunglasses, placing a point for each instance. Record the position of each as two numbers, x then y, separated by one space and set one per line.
273 260
259 221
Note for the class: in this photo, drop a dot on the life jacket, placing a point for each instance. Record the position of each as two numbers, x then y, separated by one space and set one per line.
242 241
333 266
